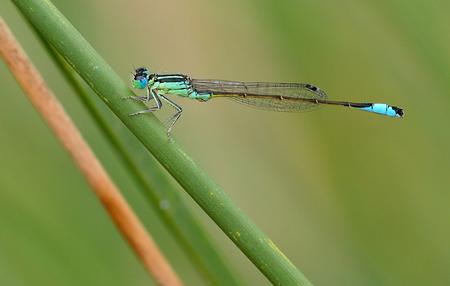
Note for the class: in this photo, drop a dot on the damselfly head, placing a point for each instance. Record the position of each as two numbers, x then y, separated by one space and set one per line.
141 77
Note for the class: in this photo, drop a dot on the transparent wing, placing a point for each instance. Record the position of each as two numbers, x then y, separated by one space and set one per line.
289 97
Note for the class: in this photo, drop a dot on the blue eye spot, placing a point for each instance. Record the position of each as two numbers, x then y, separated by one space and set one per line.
140 83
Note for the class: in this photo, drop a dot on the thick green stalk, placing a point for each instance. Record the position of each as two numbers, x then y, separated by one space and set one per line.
153 183
109 86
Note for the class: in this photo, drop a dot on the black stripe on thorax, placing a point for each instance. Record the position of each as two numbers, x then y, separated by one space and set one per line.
171 78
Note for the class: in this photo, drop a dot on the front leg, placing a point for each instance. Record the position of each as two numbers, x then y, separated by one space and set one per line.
142 98
145 98
157 99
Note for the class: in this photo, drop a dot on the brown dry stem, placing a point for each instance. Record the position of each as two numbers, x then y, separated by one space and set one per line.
59 122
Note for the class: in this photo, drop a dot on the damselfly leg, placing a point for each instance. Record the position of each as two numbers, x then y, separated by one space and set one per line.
174 118
144 98
151 94
157 99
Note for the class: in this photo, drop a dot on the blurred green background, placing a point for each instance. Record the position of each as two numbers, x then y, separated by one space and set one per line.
350 197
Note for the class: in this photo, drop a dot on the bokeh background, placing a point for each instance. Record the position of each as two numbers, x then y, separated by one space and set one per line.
350 197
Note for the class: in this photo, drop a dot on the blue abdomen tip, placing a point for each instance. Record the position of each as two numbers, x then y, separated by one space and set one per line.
384 109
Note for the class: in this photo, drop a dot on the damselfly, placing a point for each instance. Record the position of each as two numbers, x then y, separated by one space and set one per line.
290 97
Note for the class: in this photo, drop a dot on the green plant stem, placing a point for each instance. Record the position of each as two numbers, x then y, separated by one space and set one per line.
111 89
153 183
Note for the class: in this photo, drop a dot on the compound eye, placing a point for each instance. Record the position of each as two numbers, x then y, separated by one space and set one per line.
140 83
141 71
